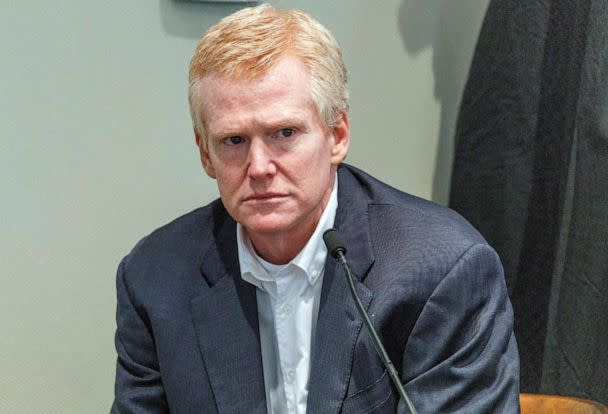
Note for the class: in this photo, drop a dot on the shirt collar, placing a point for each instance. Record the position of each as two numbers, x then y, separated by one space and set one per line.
311 259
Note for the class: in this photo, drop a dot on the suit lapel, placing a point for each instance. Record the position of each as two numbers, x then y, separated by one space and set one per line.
339 323
226 323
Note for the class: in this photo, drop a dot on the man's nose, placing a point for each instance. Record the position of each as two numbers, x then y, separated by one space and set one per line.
261 162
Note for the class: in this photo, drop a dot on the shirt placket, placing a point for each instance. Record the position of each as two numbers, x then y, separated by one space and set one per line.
284 321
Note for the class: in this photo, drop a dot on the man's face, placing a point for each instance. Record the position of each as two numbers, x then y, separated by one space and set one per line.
273 158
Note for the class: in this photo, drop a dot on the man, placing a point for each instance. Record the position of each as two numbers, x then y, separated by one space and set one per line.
236 307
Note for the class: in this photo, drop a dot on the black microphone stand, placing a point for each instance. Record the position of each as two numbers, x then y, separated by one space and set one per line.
337 250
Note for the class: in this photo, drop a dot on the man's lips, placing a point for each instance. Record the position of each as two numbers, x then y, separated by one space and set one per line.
265 197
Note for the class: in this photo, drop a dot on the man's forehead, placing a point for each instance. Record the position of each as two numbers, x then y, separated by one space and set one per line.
288 85
283 73
265 110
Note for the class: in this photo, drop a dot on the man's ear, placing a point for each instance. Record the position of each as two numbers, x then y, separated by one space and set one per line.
201 143
340 139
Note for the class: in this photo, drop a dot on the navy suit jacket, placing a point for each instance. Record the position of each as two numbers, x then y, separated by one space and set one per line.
187 327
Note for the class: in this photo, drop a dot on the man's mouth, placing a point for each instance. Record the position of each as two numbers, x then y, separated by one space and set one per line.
264 197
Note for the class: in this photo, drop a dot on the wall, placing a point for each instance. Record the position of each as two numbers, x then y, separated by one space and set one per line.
96 151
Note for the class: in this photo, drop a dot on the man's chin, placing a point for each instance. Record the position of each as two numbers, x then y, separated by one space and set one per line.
266 227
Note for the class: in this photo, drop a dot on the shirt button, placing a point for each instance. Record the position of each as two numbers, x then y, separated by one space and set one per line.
315 274
287 309
290 376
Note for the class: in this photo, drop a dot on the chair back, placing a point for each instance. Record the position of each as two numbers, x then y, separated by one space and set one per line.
556 404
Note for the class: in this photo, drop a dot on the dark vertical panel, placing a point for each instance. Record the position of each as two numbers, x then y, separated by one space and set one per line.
531 173
497 126
562 66
581 352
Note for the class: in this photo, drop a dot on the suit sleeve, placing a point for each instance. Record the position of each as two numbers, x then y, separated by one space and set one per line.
138 386
461 356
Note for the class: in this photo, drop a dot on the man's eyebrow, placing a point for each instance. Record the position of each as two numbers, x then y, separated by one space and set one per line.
224 134
285 123
227 130
288 119
297 120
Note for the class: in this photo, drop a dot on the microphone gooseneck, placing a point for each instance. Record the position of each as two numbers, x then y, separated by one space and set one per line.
335 247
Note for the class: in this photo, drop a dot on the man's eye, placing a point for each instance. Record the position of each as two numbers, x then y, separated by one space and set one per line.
234 140
286 132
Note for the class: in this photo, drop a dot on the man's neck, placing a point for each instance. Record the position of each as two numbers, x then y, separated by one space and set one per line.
282 248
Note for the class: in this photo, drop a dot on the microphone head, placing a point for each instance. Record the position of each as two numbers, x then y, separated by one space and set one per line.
334 242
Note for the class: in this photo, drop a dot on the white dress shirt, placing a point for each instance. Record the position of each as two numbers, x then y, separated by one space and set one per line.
288 305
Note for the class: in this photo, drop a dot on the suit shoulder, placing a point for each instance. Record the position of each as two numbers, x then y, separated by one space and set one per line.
413 238
434 220
394 209
184 235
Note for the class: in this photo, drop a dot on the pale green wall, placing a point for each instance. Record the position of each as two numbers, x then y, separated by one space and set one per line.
96 151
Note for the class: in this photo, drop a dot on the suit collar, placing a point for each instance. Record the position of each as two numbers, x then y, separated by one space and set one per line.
352 221
339 324
226 324
221 255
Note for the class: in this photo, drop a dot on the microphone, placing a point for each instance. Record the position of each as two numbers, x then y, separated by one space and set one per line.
335 247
